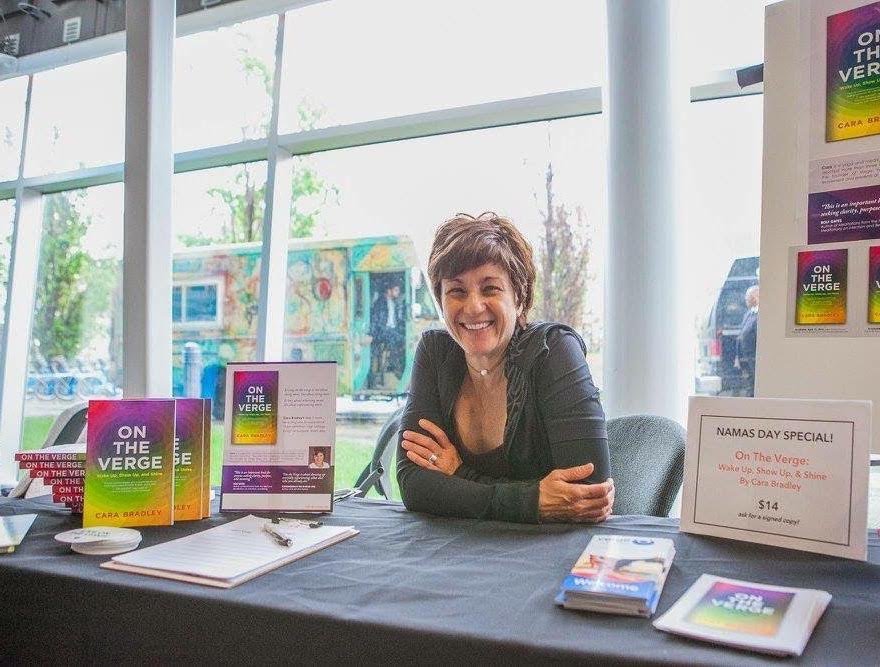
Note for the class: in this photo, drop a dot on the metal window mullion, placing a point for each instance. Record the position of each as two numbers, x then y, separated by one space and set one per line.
276 225
21 288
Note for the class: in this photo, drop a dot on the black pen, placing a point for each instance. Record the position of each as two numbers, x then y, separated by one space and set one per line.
278 537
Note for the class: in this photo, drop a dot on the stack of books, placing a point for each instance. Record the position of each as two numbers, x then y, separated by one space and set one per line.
618 574
770 619
62 467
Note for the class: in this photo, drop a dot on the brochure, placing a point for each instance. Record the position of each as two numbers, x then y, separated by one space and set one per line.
129 463
619 574
747 615
280 428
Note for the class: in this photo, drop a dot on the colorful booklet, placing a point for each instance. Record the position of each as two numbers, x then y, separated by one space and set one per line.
129 463
279 434
206 458
743 614
189 459
618 574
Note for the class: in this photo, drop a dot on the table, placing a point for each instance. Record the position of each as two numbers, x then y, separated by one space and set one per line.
409 588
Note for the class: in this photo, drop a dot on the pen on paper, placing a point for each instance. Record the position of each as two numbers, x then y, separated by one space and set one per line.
283 540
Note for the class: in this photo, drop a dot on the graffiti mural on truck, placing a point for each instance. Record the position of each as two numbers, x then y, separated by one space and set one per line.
360 302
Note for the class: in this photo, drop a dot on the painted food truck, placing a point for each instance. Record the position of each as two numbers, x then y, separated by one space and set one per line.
361 302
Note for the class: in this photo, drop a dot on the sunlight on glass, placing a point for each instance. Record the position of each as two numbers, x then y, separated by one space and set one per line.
397 57
7 218
720 34
77 116
13 94
218 233
376 216
223 84
76 338
720 223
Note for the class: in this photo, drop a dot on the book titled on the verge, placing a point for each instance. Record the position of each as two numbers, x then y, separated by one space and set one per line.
618 574
188 459
769 619
129 463
74 452
206 458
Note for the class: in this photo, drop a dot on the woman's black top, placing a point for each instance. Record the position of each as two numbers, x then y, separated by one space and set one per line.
554 420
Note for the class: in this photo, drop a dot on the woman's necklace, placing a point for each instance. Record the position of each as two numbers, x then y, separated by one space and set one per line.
483 371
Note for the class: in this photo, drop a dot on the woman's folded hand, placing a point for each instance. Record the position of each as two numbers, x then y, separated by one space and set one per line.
561 499
431 453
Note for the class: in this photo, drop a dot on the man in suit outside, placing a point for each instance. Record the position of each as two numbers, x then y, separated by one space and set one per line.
746 343
387 325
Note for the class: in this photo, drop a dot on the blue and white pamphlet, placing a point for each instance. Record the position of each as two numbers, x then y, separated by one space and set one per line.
618 574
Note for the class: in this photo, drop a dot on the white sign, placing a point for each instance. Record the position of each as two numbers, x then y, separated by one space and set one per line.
279 434
791 473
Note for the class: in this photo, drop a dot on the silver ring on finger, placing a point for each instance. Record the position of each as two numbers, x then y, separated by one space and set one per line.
432 458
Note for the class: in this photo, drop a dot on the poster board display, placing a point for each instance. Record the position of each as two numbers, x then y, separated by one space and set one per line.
279 435
786 472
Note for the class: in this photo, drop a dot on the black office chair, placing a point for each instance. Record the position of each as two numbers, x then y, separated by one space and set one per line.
647 463
377 473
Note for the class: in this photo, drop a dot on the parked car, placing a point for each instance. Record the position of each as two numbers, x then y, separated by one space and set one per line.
716 373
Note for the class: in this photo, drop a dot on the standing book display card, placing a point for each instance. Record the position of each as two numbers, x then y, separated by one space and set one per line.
787 472
280 428
129 475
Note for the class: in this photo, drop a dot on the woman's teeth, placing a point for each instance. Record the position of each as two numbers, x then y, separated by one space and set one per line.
476 327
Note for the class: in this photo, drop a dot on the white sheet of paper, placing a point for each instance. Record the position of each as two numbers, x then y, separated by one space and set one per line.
231 550
786 472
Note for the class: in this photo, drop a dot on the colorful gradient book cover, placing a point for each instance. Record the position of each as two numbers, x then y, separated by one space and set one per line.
874 285
130 463
821 287
852 102
255 408
206 458
746 609
188 463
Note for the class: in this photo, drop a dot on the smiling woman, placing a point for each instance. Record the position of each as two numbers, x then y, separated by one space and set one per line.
502 419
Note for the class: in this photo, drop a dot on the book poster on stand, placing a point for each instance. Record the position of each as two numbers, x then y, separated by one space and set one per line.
279 435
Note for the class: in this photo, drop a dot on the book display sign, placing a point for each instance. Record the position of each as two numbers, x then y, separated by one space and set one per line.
280 428
852 63
129 474
786 472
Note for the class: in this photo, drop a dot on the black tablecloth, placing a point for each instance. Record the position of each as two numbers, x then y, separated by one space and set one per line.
409 587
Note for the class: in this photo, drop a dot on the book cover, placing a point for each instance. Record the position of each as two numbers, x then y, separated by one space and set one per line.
206 458
255 408
821 287
874 285
129 463
852 93
75 452
292 470
746 609
189 427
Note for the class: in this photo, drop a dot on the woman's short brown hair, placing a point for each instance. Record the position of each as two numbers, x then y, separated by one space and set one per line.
465 242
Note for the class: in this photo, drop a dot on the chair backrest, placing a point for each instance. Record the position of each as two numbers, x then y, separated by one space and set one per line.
383 454
647 463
